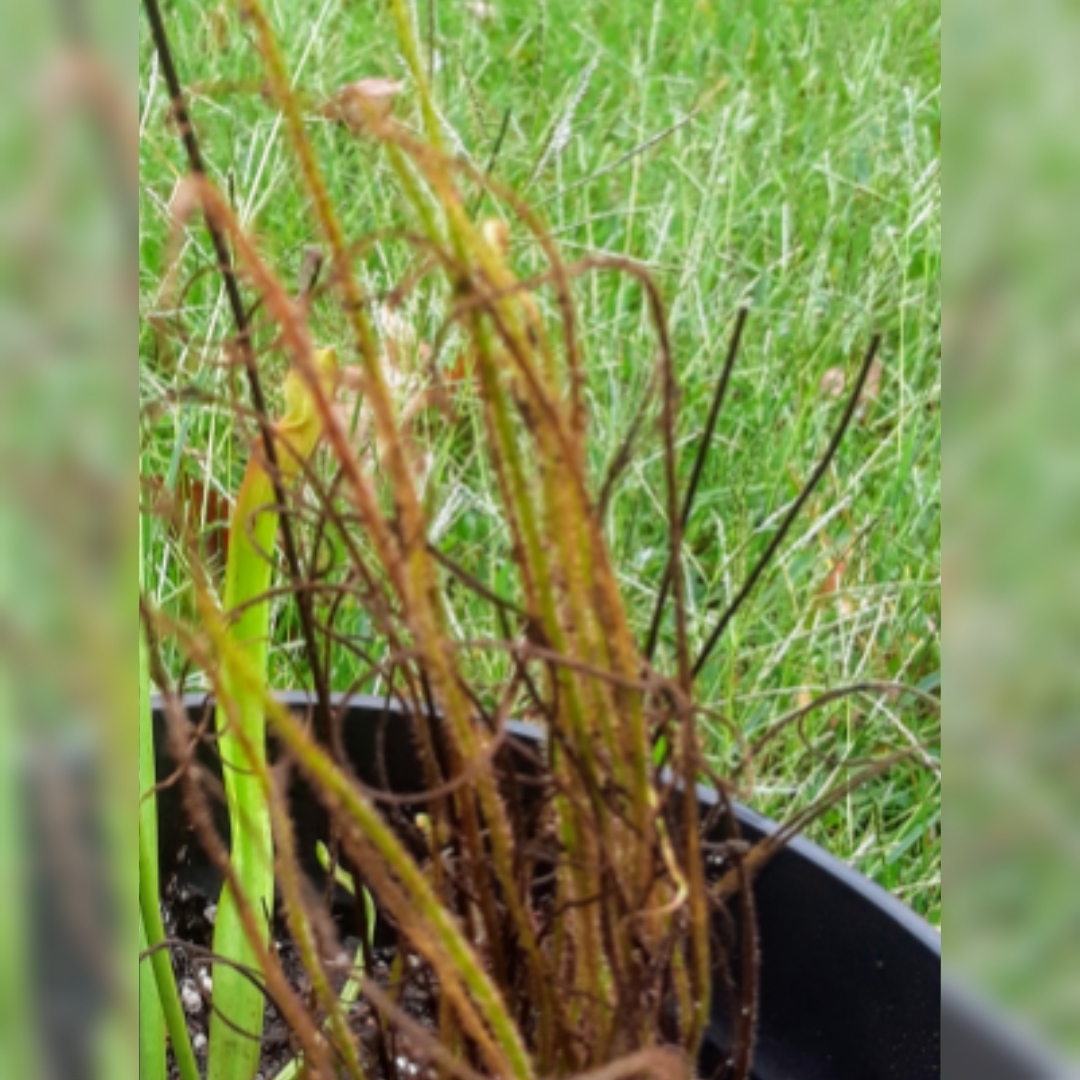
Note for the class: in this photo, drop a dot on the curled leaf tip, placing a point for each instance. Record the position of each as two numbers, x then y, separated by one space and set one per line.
300 425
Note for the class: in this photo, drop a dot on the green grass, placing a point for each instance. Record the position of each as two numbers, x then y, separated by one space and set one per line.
807 185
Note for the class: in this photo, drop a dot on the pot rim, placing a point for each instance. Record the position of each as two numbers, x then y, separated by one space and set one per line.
906 919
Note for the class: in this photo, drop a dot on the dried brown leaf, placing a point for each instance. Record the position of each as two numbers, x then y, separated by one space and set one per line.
834 382
871 389
360 103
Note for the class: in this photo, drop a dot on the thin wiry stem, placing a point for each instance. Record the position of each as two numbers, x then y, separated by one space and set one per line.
432 29
496 149
793 512
704 448
302 926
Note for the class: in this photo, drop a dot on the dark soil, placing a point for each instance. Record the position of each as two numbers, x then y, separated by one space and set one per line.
189 918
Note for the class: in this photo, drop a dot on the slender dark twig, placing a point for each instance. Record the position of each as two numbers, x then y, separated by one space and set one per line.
182 118
704 446
648 144
623 456
674 573
308 278
747 1020
432 20
796 507
496 149
475 585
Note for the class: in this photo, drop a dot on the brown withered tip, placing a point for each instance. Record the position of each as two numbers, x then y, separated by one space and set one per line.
310 269
363 102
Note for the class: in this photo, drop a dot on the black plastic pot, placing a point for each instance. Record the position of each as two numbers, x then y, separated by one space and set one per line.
850 977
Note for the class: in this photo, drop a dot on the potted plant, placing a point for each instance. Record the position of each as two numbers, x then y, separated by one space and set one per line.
560 899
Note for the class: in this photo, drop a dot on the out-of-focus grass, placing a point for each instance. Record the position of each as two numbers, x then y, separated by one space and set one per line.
805 183
1013 551
68 667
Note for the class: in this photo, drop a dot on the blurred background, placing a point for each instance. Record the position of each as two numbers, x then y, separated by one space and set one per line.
68 630
68 453
1011 566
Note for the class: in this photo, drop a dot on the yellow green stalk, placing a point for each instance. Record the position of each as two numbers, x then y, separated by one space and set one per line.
160 1011
237 1023
151 1017
153 931
395 877
350 993
418 579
